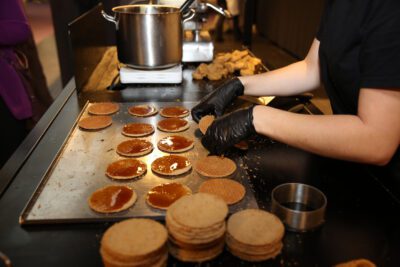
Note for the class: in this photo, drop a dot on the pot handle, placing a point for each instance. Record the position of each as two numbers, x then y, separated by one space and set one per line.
109 18
191 15
220 10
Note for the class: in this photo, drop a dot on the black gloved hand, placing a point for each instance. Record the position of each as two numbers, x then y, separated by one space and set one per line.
229 130
215 102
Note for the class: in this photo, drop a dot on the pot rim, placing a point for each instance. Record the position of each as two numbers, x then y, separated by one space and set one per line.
120 9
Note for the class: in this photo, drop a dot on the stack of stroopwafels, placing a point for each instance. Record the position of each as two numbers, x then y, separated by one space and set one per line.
196 226
135 242
254 235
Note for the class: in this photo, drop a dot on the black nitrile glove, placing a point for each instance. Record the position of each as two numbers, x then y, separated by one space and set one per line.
215 102
229 130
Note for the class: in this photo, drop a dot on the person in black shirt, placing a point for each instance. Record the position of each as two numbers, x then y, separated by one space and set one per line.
356 55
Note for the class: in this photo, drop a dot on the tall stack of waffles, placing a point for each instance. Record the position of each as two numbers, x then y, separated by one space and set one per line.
196 226
254 235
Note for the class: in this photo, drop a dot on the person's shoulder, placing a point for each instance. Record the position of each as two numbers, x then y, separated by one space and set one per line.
386 7
384 14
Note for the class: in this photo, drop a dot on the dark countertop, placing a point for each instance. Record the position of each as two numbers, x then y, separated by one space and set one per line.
362 220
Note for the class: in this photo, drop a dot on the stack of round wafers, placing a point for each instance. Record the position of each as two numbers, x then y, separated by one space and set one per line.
196 226
254 235
135 242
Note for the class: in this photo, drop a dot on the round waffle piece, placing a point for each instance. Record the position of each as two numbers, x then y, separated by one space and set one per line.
171 165
198 210
255 227
135 242
196 244
136 129
174 112
215 166
242 254
134 148
229 190
195 238
126 169
205 122
196 255
162 196
154 261
142 110
103 108
357 263
175 144
112 198
173 125
250 249
94 123
254 235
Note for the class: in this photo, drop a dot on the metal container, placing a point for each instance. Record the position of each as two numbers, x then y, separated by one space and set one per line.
148 36
301 207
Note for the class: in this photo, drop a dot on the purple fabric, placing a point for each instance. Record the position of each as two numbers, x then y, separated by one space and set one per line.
14 29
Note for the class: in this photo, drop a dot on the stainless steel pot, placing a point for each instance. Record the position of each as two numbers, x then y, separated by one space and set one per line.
148 36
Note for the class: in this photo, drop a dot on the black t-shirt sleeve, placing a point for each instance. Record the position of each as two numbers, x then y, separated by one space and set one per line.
380 53
320 29
322 21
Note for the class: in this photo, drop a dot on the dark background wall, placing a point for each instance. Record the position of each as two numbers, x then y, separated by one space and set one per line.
64 12
291 24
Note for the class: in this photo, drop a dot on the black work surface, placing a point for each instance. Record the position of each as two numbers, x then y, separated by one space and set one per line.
362 220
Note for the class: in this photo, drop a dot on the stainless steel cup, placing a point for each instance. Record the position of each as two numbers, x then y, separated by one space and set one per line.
301 207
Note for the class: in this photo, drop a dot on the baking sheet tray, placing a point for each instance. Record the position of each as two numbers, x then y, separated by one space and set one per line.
79 169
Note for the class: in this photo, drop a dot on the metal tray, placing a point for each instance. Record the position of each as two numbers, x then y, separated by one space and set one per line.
79 169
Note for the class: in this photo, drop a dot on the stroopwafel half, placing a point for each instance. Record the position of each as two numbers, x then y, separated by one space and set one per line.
215 166
171 165
103 108
95 123
134 148
126 169
229 190
112 198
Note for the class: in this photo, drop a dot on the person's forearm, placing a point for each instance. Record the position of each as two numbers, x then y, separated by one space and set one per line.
294 79
297 78
344 137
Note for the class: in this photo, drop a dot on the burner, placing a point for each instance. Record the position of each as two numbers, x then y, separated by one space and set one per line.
170 75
